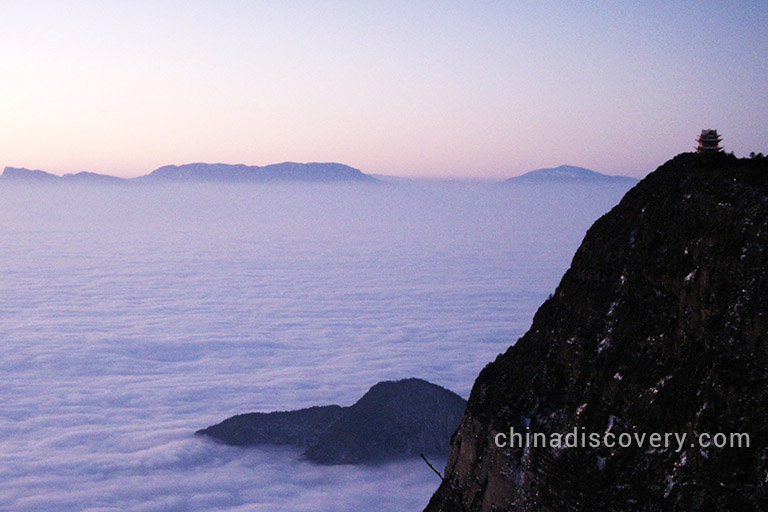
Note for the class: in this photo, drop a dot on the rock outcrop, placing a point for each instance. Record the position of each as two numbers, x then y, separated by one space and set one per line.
659 326
394 419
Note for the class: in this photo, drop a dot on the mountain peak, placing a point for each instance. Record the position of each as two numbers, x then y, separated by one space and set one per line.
394 419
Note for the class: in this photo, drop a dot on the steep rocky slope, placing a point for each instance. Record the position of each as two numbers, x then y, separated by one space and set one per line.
660 326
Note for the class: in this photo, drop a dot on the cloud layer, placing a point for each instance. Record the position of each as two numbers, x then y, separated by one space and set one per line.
132 317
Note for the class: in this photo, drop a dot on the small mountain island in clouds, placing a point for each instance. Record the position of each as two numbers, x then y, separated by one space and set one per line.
568 174
393 420
202 173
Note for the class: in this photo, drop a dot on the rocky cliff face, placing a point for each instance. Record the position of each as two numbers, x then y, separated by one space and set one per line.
660 325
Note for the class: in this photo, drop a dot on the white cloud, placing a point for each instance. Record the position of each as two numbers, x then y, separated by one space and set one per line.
130 318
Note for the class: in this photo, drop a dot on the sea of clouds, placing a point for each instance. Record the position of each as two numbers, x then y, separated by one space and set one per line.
131 316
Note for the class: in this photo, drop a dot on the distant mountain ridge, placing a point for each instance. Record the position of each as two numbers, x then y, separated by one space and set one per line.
568 174
202 172
20 174
287 171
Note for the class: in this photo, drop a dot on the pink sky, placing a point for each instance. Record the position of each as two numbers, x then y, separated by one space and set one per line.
442 89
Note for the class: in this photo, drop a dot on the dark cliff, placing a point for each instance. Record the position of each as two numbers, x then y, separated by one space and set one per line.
659 325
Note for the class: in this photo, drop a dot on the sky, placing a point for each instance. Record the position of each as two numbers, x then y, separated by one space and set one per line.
481 89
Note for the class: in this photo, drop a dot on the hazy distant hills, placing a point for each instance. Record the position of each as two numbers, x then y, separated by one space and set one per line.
17 174
313 172
287 171
202 172
90 177
21 175
568 174
550 175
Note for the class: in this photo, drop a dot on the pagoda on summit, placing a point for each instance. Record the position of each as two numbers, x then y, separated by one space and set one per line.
708 141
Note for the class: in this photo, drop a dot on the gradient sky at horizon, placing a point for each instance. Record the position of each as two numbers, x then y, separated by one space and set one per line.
485 89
